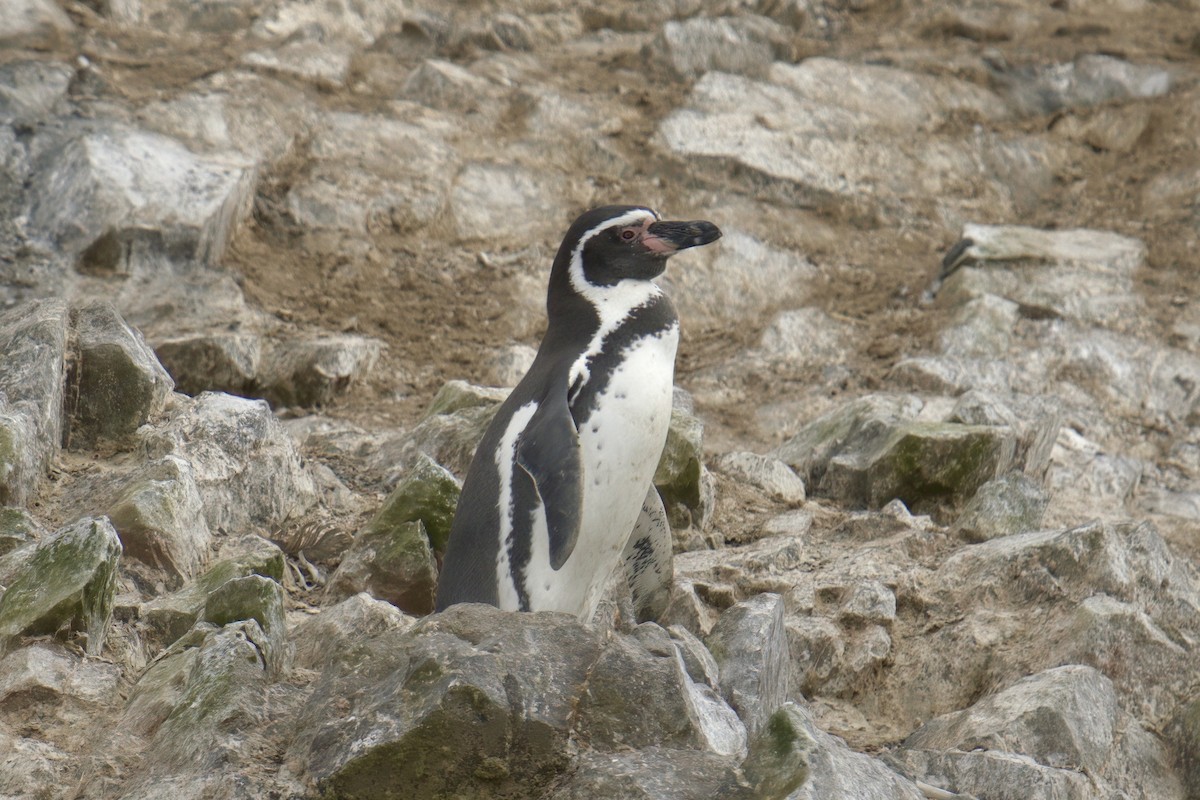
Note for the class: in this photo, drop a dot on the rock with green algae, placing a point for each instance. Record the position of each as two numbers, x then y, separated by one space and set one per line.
224 693
392 563
312 371
449 431
33 341
159 517
116 383
69 582
476 702
920 463
260 599
1014 503
428 493
167 618
846 429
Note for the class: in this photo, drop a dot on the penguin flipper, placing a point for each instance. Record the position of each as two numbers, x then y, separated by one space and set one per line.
649 563
549 452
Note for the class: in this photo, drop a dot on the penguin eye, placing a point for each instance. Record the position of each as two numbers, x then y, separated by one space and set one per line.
627 235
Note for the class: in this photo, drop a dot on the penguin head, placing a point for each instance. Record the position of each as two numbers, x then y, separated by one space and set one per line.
611 244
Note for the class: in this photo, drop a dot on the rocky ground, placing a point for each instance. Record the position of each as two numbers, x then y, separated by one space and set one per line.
933 475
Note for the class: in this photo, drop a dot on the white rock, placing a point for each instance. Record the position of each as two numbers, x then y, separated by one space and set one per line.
113 177
765 472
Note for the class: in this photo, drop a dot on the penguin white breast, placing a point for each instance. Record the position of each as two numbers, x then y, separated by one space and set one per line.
621 443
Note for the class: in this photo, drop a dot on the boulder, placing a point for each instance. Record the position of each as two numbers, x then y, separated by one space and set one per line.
320 639
253 598
429 493
169 617
1079 274
110 178
68 583
1089 80
1040 735
116 384
750 645
247 469
374 174
160 518
33 338
486 197
211 361
1011 504
920 463
745 44
304 371
477 701
390 561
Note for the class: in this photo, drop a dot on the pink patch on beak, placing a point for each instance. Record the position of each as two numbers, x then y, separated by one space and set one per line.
656 245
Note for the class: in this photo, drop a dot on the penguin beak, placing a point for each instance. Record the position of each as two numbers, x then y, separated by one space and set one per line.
667 238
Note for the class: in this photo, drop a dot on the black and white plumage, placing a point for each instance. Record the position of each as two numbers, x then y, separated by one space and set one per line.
563 474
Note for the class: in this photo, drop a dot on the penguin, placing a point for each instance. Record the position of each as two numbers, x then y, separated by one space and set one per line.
563 475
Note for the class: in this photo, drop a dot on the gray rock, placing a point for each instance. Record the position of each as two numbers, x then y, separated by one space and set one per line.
1077 274
746 45
733 126
697 660
246 467
33 338
486 197
1087 81
446 86
69 582
1011 504
920 463
302 371
999 775
778 761
30 91
169 617
253 598
224 693
375 174
211 361
17 529
114 178
116 384
32 767
452 426
50 677
750 645
320 639
160 518
764 472
490 700
680 475
740 278
1116 130
510 364
652 773
806 337
688 714
392 562
834 770
869 603
1064 718
1086 481
33 19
